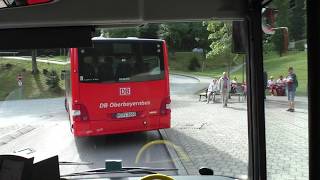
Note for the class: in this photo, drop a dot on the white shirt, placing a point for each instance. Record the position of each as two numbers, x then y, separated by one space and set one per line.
271 82
279 81
213 87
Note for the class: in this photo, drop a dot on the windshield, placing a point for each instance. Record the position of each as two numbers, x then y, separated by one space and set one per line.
112 61
174 98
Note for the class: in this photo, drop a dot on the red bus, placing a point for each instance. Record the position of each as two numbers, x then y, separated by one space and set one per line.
119 85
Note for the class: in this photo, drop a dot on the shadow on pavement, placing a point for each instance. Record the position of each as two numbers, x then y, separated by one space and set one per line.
202 154
123 147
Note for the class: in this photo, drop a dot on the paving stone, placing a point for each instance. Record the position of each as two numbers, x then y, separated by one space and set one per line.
217 137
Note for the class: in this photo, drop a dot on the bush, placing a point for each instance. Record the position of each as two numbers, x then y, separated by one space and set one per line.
52 79
23 70
45 71
194 64
299 45
8 66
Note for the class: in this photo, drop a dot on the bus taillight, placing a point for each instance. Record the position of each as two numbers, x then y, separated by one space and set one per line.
80 112
165 106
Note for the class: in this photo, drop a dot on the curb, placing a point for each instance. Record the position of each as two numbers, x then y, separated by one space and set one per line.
173 154
15 134
189 76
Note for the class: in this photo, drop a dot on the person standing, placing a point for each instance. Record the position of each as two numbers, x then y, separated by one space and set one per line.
224 88
292 84
19 79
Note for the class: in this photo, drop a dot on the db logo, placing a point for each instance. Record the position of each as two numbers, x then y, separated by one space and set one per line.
125 91
103 105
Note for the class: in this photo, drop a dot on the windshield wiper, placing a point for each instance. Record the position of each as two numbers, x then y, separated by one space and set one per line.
131 170
74 163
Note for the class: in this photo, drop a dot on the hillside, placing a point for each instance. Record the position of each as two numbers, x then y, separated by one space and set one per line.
273 64
34 86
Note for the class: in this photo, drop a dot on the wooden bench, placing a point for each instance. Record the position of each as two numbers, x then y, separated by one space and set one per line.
204 94
239 92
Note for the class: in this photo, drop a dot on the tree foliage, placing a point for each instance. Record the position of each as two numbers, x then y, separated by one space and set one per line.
294 19
184 36
149 31
52 79
122 32
220 37
194 64
297 18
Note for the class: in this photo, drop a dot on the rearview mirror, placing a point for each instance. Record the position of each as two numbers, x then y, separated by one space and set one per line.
18 3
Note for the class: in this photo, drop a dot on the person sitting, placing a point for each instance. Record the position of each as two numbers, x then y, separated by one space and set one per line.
234 85
272 86
281 80
244 88
212 89
280 86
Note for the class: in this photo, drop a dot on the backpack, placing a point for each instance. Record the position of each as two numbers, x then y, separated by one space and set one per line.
295 80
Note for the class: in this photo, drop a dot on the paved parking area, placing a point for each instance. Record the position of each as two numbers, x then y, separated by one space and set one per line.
217 137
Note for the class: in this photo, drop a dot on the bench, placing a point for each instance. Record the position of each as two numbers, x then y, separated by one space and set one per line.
239 91
239 94
204 94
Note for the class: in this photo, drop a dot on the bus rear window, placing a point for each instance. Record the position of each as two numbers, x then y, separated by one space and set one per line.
121 62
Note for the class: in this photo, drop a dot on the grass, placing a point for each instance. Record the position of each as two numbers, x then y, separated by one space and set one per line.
273 64
212 67
276 66
34 86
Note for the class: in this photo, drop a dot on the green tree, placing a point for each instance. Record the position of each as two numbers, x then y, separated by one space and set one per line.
35 69
297 18
220 38
122 32
278 40
173 33
149 31
282 20
182 36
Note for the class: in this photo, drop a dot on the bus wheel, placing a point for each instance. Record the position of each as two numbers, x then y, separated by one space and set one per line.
66 104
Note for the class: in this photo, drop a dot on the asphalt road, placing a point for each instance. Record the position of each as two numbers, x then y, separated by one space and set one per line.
52 135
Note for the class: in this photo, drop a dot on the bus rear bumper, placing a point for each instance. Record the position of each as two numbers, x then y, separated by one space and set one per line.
95 128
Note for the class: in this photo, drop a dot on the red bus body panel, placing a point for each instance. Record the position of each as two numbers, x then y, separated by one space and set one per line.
102 101
37 1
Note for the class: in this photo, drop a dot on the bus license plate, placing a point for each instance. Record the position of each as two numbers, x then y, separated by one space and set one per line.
126 115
